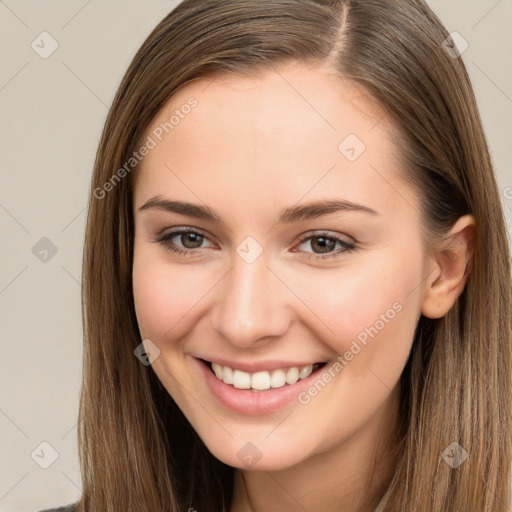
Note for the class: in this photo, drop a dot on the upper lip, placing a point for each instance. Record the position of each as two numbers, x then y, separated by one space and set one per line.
258 366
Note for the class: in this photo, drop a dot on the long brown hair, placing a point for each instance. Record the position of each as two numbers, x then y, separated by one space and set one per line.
137 450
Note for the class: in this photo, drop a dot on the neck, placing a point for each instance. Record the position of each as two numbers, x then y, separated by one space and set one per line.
348 477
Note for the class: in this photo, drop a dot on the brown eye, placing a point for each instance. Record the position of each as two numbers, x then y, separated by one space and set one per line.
184 241
191 240
324 245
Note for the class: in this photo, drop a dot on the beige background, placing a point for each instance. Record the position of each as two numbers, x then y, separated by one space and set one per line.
51 112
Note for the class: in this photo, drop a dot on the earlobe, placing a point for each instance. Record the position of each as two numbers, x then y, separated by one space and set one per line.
452 266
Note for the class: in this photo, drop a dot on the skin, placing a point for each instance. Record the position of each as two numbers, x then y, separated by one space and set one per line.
250 148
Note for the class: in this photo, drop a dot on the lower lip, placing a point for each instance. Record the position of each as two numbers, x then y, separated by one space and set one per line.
254 402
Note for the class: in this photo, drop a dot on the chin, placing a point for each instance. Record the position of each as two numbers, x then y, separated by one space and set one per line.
257 455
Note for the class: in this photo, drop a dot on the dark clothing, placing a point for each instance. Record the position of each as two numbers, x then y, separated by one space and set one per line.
66 508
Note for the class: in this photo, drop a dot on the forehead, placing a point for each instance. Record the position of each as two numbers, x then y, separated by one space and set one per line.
286 128
292 99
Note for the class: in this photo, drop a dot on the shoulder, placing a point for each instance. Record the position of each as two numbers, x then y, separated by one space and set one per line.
67 508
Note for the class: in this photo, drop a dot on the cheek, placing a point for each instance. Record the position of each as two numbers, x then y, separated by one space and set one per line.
374 316
166 296
354 298
155 294
371 313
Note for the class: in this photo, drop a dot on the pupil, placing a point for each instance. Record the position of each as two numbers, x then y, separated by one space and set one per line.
194 240
324 244
185 239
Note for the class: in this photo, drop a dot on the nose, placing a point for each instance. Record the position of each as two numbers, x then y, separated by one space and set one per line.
253 306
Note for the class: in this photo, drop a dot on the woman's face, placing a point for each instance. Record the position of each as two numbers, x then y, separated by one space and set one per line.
305 248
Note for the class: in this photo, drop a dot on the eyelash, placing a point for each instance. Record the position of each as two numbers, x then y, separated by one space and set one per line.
348 247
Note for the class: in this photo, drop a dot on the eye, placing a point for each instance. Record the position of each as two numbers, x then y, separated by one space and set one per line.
325 244
190 240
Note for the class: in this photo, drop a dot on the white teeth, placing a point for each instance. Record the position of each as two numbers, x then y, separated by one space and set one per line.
227 375
263 380
241 380
277 379
292 375
260 381
306 371
217 368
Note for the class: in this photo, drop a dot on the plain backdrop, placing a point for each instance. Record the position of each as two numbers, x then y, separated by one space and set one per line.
52 111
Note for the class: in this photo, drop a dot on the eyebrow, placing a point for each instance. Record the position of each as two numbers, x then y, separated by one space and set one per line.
287 215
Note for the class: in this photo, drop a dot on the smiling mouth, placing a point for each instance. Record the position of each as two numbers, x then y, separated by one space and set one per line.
262 380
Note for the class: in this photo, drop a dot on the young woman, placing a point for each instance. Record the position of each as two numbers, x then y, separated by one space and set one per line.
296 270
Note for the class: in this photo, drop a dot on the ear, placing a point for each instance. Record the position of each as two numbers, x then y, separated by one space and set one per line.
452 263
